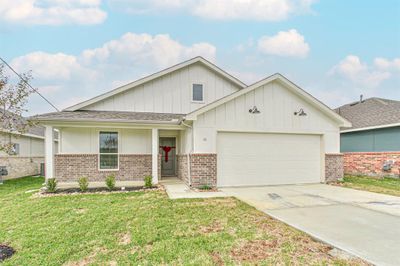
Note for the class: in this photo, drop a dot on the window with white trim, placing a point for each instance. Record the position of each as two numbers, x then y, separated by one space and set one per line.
14 149
197 93
108 150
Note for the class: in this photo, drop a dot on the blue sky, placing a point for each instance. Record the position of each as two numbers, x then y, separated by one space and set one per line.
77 49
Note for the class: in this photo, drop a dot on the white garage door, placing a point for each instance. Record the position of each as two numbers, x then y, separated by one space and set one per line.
247 159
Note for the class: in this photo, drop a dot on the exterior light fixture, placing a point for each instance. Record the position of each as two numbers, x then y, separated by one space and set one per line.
254 110
300 112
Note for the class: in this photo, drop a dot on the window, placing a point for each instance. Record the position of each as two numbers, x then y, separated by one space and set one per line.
14 149
108 150
197 93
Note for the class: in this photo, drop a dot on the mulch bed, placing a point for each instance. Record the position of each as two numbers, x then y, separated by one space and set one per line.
97 190
5 252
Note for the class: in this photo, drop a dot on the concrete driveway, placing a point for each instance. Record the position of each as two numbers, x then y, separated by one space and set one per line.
362 223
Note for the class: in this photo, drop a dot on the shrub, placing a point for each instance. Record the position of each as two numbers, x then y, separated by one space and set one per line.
205 187
83 183
148 181
110 182
51 185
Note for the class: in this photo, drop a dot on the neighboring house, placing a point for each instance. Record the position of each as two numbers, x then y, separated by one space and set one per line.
197 122
27 154
372 145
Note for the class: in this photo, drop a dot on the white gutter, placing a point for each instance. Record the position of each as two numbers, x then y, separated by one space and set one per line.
369 128
172 122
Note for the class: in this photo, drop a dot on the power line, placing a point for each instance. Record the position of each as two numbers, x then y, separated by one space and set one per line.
27 83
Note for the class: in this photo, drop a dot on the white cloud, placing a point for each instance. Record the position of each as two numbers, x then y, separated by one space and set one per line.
65 77
47 66
52 12
263 10
386 64
360 73
138 49
285 43
269 10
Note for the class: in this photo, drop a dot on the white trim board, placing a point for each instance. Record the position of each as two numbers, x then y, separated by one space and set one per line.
370 128
154 76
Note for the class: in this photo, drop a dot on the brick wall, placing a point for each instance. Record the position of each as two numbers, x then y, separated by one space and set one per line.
333 167
203 169
21 166
132 167
371 163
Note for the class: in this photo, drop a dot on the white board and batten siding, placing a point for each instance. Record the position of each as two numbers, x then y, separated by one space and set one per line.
272 147
171 93
277 106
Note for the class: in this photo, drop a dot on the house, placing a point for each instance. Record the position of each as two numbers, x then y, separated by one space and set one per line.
372 145
202 125
27 153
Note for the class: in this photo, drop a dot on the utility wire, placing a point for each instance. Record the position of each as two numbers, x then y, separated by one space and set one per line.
27 83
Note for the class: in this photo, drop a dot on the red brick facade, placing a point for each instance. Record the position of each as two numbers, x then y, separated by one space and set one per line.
333 167
203 168
70 167
371 163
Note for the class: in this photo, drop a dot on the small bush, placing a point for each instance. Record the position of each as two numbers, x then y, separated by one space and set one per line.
110 182
205 187
83 183
148 181
51 185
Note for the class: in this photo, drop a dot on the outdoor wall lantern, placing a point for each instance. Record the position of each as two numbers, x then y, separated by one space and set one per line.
300 112
254 110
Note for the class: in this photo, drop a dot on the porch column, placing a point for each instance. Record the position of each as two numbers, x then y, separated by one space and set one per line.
154 154
49 152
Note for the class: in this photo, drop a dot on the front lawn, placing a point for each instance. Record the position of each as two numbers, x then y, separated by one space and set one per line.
146 228
389 186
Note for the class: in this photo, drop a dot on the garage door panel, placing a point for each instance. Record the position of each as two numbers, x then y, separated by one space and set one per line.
268 159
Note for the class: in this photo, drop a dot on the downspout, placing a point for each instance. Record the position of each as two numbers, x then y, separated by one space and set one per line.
191 151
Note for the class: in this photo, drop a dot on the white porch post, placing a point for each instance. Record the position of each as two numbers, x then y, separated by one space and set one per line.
154 154
49 152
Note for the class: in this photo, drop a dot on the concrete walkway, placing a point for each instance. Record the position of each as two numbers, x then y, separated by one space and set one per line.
361 223
176 189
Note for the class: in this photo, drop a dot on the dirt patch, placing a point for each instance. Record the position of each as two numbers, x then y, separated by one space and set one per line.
254 250
87 260
216 258
222 202
215 227
80 211
5 252
125 239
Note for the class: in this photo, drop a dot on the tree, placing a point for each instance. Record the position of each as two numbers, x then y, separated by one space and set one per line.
13 98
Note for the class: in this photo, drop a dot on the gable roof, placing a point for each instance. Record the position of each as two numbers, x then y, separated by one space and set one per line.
371 113
110 116
166 71
290 85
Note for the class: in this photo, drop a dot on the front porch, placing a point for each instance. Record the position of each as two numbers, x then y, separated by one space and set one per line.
135 152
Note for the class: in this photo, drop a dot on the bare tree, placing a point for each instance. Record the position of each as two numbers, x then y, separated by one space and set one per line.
13 98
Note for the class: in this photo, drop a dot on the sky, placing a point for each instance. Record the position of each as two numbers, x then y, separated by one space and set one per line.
77 49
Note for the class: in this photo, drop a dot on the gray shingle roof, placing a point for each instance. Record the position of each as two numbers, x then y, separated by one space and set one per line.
371 112
109 116
33 130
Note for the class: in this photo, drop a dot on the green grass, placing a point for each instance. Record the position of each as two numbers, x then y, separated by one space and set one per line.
146 228
389 186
